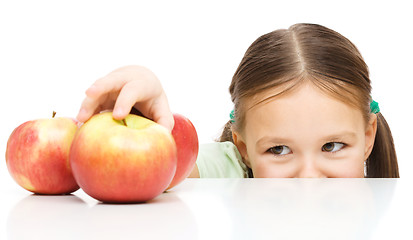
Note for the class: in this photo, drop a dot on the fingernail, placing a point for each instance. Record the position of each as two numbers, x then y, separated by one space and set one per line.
117 113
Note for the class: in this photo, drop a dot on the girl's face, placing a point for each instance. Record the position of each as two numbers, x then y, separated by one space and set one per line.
304 133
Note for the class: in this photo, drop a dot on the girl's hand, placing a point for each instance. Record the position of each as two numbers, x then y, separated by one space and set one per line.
124 88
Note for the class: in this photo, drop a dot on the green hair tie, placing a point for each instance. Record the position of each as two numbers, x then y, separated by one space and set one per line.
374 107
232 116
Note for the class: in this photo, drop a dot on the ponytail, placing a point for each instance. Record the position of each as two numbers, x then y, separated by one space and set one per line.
226 135
382 162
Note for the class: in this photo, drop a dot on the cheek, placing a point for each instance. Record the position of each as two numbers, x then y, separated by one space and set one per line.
266 171
349 169
351 166
265 168
269 172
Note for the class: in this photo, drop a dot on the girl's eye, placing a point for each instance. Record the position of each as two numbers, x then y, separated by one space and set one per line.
332 147
279 150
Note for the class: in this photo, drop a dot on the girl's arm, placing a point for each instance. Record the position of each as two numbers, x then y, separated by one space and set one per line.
194 173
124 88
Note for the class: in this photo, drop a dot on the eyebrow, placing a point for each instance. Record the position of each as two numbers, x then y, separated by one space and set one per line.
334 137
278 140
341 135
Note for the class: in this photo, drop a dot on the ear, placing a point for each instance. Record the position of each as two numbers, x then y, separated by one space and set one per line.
371 130
242 147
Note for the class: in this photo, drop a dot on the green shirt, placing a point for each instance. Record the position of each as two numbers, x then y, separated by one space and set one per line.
220 160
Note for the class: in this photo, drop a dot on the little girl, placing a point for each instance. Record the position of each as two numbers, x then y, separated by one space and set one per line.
302 108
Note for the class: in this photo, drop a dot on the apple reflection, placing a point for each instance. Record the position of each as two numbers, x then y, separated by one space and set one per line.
165 217
69 217
46 217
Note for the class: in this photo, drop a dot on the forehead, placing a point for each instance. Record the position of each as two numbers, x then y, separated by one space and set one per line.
305 109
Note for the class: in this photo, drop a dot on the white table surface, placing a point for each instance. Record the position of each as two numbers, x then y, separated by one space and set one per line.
222 209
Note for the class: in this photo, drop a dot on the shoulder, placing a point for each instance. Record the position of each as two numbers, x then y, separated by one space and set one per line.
220 160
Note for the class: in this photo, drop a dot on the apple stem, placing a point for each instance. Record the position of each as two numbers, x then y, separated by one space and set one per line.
124 122
54 114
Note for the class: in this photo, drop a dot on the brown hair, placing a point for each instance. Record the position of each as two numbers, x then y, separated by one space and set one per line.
310 52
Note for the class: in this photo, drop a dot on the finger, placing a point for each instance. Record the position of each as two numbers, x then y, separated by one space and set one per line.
127 98
87 109
134 92
161 113
82 115
157 109
113 82
166 119
101 89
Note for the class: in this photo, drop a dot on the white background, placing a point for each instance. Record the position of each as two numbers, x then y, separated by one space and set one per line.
51 51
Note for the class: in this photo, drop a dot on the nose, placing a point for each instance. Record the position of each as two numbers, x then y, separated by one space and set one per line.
310 169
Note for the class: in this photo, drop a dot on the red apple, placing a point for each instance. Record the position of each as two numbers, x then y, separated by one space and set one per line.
187 146
37 155
127 161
